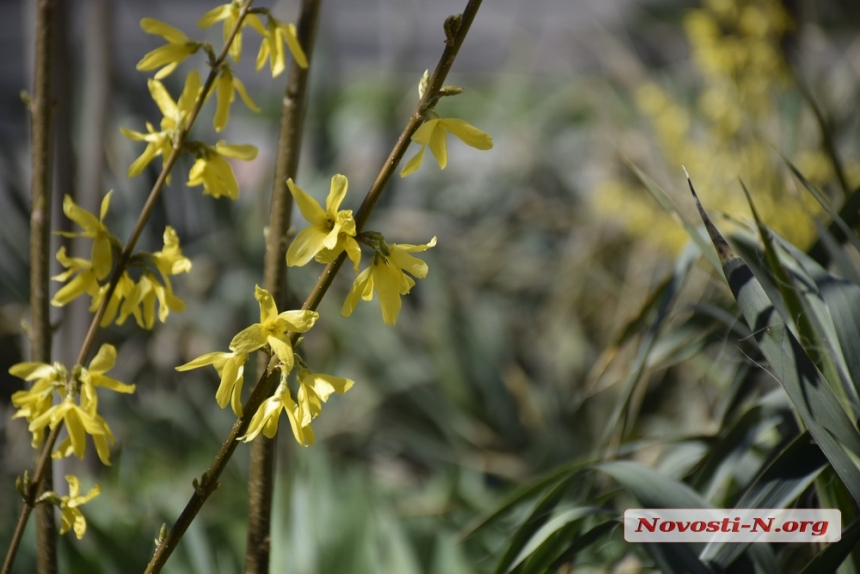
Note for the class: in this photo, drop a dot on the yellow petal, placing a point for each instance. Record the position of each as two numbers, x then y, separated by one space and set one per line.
102 257
307 243
162 99
245 152
240 89
413 164
325 385
248 340
80 216
311 210
470 135
168 32
201 361
387 282
355 292
166 55
295 48
423 134
224 92
105 205
268 308
337 192
299 321
189 92
214 15
132 135
283 350
166 71
438 147
104 359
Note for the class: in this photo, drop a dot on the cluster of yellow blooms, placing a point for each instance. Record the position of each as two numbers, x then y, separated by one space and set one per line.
736 46
143 279
130 297
331 232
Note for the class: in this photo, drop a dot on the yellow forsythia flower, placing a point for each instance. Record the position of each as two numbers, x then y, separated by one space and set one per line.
71 518
229 14
433 133
231 368
266 418
174 114
84 282
331 230
275 34
273 329
35 401
167 57
386 276
226 87
102 256
214 173
79 422
315 389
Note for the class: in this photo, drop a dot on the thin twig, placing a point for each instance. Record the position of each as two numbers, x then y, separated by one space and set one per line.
41 114
263 388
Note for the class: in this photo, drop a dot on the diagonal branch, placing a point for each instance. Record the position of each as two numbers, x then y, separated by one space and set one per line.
458 27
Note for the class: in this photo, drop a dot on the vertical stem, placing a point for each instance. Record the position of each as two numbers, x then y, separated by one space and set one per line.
262 472
40 246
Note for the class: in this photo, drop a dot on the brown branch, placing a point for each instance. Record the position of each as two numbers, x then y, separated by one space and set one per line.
42 120
261 476
268 380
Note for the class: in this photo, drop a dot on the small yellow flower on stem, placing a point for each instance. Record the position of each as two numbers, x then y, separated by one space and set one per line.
102 256
433 133
386 276
154 283
79 423
160 143
273 329
35 401
125 287
229 14
315 389
231 368
85 281
266 418
275 34
214 173
331 230
175 113
96 376
226 87
71 518
167 57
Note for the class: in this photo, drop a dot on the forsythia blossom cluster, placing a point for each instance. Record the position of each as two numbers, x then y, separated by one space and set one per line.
272 334
332 231
76 406
130 297
432 134
210 169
